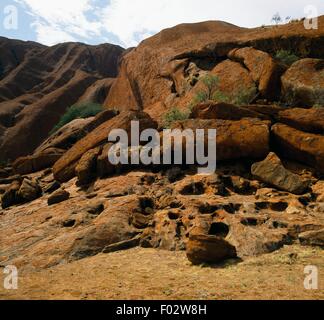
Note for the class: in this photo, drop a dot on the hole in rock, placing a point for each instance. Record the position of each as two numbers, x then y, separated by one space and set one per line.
279 206
69 223
195 188
250 222
219 229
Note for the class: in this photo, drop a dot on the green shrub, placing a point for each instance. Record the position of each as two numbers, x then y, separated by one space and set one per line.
78 111
318 106
174 115
286 57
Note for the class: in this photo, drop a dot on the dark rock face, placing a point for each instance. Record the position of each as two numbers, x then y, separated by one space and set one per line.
272 171
61 76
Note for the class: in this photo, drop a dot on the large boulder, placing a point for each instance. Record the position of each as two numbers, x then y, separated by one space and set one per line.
86 168
10 197
272 171
303 83
235 82
263 69
38 161
209 249
246 138
305 147
64 168
223 111
58 196
309 120
29 190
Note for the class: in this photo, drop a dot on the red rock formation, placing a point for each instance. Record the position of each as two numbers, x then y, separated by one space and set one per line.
38 83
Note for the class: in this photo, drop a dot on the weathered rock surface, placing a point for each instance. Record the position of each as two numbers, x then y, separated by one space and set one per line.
309 120
247 138
303 83
312 238
301 146
86 167
29 190
10 196
264 70
38 161
273 172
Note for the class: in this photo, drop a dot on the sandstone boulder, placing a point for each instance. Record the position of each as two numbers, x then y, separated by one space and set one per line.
86 167
209 249
223 111
64 168
235 83
309 120
272 171
38 161
312 238
58 197
10 197
29 190
247 138
303 83
297 145
263 69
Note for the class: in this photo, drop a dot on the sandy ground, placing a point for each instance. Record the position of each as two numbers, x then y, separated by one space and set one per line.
155 274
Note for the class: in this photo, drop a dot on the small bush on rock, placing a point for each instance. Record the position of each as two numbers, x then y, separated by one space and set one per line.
78 111
286 57
174 115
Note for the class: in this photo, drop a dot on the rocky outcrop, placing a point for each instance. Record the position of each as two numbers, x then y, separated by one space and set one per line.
303 83
177 57
301 146
60 76
272 172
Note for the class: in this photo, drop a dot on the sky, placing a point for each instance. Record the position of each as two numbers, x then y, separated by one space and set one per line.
127 22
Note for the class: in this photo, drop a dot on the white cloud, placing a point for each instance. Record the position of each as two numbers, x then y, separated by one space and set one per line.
126 18
131 21
62 20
